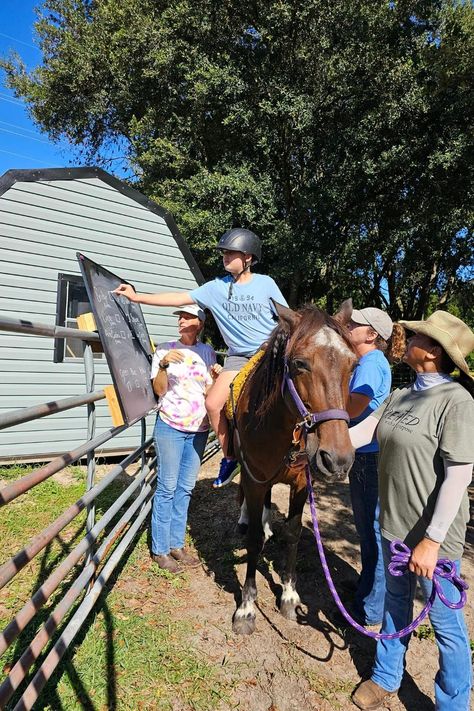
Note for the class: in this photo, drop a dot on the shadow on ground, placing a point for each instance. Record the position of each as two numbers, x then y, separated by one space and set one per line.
212 519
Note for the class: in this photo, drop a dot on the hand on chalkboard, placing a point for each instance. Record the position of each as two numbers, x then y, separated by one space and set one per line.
126 290
216 369
173 356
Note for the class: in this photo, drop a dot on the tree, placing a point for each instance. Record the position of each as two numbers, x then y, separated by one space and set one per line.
340 130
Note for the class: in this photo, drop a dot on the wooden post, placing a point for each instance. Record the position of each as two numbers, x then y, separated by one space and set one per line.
86 322
114 407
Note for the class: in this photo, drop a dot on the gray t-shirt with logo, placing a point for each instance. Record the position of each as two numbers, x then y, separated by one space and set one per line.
416 432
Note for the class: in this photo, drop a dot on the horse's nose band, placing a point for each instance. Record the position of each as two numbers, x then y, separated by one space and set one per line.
310 419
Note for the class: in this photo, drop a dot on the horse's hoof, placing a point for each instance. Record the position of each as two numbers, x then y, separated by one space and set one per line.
242 528
288 610
243 625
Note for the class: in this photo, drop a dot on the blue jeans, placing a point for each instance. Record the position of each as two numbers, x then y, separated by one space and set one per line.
179 458
454 677
364 487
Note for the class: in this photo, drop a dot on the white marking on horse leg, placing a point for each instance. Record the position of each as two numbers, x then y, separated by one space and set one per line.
289 594
267 523
247 609
244 514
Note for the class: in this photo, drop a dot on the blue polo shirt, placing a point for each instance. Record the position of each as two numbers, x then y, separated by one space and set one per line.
372 377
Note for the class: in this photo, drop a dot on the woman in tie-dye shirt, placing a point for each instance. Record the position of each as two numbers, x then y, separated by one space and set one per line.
182 372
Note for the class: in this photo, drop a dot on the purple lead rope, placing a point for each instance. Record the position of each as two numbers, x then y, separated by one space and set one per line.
400 552
398 566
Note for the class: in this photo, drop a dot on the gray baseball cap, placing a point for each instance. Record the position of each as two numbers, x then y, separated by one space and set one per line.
193 309
376 319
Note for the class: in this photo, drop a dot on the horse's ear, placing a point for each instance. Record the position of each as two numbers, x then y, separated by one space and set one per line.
288 319
344 314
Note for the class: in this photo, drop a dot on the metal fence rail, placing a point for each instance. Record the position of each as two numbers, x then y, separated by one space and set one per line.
92 565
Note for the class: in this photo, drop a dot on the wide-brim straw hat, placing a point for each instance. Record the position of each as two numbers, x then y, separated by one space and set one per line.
455 337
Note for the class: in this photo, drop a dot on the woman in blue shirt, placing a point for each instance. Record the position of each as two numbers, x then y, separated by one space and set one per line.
376 341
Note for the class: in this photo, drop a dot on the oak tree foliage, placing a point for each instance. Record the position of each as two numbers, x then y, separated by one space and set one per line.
341 131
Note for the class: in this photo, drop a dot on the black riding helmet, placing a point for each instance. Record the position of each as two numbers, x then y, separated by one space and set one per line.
241 240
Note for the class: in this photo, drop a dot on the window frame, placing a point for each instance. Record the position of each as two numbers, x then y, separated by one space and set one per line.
64 280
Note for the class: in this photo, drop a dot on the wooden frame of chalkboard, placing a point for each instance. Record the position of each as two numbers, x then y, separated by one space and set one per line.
125 340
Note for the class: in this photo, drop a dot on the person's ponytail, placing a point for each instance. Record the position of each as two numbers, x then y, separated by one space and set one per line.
395 347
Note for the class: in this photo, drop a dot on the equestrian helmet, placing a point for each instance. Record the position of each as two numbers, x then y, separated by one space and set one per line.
241 240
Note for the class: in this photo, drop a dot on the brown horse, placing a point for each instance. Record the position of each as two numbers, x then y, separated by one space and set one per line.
310 352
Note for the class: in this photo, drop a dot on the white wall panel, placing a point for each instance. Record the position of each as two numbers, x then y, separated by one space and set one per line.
43 223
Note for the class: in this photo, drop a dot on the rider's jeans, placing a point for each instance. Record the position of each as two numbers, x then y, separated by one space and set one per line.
363 479
454 677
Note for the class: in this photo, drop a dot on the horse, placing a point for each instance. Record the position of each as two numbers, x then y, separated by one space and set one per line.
291 411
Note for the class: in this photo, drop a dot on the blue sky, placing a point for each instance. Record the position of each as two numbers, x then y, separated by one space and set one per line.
22 145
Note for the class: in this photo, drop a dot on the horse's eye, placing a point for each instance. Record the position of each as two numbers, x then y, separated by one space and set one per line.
299 364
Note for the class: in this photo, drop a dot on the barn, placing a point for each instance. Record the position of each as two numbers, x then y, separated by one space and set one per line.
46 216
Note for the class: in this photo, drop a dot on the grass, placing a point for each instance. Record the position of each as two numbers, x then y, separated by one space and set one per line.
335 691
13 472
424 632
427 632
133 652
24 518
135 655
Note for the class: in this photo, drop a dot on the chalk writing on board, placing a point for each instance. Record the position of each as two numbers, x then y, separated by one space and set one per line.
125 340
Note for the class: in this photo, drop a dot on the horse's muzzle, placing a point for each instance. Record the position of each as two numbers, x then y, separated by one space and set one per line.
332 464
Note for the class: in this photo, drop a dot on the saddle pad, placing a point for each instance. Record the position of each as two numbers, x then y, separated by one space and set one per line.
239 380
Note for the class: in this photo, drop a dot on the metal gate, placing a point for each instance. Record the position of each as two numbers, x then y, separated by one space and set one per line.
101 548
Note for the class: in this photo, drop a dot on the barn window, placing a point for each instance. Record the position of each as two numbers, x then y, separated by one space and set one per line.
71 302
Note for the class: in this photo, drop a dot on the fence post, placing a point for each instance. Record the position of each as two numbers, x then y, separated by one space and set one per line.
109 550
90 384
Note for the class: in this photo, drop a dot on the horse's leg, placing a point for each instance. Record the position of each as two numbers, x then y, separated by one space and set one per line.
244 618
267 516
243 522
292 531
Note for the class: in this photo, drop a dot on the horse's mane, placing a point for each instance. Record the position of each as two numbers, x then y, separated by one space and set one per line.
267 378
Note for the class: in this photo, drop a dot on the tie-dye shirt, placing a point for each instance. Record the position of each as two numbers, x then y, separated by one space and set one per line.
182 406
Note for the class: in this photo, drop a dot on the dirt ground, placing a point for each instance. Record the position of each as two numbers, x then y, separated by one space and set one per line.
309 665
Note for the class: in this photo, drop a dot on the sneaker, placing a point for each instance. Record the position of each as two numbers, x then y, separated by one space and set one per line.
369 695
227 470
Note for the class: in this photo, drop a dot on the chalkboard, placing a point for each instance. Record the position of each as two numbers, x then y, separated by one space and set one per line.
125 340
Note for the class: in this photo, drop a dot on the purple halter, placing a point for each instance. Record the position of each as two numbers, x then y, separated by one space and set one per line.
310 419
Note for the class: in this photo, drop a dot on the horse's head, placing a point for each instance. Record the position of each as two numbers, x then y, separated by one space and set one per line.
320 359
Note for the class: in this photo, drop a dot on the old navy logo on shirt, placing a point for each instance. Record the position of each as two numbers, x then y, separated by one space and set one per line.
242 308
405 420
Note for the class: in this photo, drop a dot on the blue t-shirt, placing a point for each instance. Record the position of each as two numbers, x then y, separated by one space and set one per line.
246 319
371 377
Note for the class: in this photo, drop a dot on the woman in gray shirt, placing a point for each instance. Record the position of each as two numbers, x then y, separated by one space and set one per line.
425 433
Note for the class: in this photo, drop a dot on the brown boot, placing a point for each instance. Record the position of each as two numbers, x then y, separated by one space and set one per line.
370 695
166 562
185 557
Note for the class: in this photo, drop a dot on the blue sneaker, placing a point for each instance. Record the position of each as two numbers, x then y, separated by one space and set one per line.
227 470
